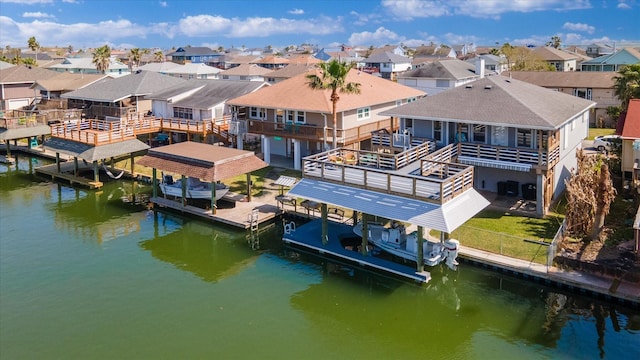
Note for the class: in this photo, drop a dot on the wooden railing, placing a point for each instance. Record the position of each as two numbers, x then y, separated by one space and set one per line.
436 182
534 158
99 132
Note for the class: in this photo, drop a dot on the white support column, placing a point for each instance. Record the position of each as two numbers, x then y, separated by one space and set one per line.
296 155
266 148
240 141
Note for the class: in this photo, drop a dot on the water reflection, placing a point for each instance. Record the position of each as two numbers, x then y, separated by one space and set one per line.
210 252
20 174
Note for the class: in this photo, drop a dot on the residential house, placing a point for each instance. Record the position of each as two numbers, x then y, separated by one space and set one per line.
5 65
193 71
271 62
232 60
493 65
558 59
630 157
394 49
294 120
591 85
201 101
387 64
160 67
612 62
196 55
49 91
597 49
517 135
113 99
346 56
85 65
440 75
287 72
245 72
15 85
432 52
303 59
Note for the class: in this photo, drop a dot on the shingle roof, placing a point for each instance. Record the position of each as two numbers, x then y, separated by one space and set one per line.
247 70
211 92
566 79
202 161
443 69
191 68
631 127
24 74
139 83
290 70
68 81
295 93
497 100
387 57
549 53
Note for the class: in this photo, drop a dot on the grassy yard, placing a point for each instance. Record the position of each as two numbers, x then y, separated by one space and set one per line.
593 132
504 233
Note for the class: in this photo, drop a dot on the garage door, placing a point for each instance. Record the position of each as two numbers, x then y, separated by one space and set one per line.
17 103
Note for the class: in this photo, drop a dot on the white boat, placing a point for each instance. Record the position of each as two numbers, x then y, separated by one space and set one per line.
196 189
396 241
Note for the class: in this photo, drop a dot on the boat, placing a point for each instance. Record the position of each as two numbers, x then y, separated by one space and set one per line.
394 240
196 189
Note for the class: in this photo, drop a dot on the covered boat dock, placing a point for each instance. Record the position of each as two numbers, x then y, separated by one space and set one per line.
91 156
210 163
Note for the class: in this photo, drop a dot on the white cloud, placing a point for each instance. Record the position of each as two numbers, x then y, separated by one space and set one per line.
71 1
262 27
364 19
163 4
202 25
579 27
623 5
39 15
410 9
296 12
379 37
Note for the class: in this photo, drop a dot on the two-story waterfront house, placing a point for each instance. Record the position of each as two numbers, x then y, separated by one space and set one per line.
294 120
513 132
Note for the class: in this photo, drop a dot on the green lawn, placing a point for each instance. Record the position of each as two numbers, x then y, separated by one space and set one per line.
593 132
504 233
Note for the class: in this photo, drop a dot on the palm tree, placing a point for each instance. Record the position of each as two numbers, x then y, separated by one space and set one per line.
34 46
333 76
134 57
102 58
158 56
626 85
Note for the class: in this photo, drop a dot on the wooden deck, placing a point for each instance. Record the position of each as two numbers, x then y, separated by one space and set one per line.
67 173
237 216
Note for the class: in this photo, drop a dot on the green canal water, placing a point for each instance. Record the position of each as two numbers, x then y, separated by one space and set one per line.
91 275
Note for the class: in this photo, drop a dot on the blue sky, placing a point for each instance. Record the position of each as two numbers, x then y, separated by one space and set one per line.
327 23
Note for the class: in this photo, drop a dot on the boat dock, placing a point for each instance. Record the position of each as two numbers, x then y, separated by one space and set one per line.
306 237
241 214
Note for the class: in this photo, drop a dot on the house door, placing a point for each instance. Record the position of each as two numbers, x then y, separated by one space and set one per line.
499 136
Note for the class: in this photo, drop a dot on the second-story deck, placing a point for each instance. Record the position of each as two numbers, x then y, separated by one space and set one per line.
415 173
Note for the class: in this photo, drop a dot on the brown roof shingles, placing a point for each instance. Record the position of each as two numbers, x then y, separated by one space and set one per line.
202 161
295 94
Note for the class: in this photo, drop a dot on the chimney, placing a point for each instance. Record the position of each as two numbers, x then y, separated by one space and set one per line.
480 67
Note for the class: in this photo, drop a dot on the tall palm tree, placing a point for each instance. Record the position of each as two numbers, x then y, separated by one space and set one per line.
134 57
158 56
626 85
333 76
102 58
34 46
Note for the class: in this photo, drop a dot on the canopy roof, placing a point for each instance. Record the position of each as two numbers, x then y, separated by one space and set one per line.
446 217
92 153
206 162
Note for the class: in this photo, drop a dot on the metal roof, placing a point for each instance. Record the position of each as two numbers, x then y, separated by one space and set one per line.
92 153
445 217
24 132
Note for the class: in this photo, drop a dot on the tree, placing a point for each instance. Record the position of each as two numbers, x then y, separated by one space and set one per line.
102 58
158 56
34 46
333 77
626 84
554 42
590 193
134 57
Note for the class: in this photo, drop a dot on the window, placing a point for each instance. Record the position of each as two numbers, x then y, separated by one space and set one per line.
437 131
256 113
363 113
479 133
442 83
300 116
183 113
280 115
524 138
411 100
582 93
225 77
290 115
